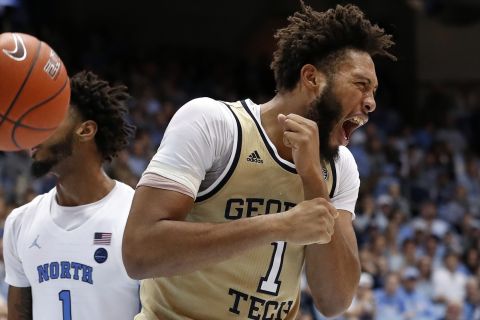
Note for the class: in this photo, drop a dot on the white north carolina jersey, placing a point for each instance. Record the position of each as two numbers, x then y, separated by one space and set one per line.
77 274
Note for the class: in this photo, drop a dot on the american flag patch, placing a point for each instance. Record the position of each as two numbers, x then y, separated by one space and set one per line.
103 238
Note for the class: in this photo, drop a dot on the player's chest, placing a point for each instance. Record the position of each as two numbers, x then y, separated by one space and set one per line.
51 258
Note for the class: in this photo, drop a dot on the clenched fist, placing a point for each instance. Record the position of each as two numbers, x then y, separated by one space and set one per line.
301 135
311 221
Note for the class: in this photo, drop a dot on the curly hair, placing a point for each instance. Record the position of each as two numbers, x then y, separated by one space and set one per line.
319 38
96 100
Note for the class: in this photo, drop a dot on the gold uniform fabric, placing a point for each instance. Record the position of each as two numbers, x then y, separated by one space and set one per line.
239 288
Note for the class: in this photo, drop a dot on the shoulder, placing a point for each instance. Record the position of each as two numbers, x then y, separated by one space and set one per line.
120 201
345 159
26 211
346 166
23 217
203 116
205 108
347 181
203 103
124 190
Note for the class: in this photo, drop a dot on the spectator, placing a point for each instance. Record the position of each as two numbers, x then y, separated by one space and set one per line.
471 308
448 282
424 281
454 311
471 261
398 200
429 222
417 305
390 304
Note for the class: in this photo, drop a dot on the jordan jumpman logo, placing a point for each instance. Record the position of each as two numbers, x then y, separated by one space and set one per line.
35 243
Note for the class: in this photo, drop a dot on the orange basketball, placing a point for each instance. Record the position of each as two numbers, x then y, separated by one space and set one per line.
34 91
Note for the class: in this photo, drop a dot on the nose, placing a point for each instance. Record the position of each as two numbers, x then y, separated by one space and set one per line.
369 104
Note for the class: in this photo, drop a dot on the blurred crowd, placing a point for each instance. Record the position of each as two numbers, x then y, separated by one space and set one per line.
418 213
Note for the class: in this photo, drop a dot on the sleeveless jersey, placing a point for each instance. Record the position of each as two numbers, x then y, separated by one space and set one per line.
76 274
263 283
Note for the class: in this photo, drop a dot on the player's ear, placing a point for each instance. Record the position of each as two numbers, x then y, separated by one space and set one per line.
312 79
87 130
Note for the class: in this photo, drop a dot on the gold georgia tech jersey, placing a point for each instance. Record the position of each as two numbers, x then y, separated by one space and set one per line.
263 283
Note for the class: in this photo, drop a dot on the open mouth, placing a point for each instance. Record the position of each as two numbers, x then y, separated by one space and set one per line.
351 124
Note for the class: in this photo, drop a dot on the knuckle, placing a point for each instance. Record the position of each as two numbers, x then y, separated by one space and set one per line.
324 210
322 201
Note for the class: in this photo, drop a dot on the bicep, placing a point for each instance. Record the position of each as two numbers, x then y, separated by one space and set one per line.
15 275
151 205
19 303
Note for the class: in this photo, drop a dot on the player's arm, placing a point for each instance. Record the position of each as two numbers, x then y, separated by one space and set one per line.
332 269
158 242
19 303
157 239
19 292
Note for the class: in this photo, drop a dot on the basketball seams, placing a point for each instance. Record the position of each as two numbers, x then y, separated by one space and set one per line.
18 123
26 126
32 66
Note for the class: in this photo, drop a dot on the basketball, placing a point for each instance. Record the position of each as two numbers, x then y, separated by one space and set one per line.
34 91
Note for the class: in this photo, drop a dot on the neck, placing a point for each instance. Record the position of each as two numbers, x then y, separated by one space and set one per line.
86 183
284 103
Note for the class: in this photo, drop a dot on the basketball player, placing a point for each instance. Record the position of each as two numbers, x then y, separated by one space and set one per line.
239 196
63 250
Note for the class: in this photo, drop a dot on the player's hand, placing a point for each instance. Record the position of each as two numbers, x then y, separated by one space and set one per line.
311 221
301 135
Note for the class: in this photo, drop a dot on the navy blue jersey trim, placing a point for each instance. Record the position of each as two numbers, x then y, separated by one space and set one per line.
233 165
265 141
334 178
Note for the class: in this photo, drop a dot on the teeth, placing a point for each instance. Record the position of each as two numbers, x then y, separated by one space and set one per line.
358 121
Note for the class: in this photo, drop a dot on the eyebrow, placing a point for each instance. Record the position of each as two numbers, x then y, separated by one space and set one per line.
366 79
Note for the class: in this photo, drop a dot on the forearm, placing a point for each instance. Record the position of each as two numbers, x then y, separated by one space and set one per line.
19 303
332 269
169 247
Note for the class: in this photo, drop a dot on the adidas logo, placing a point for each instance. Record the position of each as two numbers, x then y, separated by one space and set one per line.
254 157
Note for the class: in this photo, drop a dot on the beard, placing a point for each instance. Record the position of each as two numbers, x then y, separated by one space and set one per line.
58 152
326 111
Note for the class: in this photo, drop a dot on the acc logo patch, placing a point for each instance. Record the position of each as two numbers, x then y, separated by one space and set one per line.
100 255
325 174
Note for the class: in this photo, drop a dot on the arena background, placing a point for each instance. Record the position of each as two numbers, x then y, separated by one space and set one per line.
418 156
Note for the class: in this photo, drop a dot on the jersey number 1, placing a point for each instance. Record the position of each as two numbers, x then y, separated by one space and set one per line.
270 283
64 296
